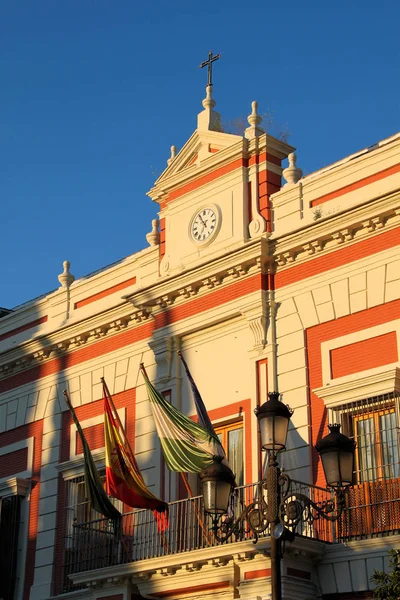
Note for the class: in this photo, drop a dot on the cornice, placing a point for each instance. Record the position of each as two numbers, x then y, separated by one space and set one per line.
255 256
270 143
194 561
14 486
211 163
147 303
73 468
193 145
369 386
210 274
345 228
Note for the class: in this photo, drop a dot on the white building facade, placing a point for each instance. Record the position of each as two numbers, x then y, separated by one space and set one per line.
265 281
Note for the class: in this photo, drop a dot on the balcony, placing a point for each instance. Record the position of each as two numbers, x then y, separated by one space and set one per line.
372 509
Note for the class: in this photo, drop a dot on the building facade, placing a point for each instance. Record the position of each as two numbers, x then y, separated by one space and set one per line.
265 280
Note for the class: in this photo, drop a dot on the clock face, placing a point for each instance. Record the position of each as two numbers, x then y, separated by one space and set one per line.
204 224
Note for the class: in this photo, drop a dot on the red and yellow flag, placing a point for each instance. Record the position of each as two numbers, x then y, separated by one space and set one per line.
123 478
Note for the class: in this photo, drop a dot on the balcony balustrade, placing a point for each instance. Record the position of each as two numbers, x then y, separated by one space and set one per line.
93 545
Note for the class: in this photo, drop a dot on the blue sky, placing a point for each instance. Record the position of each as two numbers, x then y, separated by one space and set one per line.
94 93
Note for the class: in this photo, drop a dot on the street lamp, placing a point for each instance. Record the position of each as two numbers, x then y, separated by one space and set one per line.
273 419
285 507
217 483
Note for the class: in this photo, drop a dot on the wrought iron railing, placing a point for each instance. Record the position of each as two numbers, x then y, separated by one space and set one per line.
371 509
94 545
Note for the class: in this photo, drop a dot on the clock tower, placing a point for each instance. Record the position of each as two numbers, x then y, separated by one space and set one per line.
214 193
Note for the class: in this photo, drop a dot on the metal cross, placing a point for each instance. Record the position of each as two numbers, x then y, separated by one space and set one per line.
208 63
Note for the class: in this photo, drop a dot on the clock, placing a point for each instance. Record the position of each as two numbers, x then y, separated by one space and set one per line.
205 224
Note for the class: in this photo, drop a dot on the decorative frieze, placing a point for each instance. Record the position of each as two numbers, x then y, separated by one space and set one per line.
165 301
212 282
327 239
143 312
188 291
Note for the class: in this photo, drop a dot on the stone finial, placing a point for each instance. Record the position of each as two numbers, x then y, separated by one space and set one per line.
209 119
209 101
66 278
153 237
254 120
292 174
173 154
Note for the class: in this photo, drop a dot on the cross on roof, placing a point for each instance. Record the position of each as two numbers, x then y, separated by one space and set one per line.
208 63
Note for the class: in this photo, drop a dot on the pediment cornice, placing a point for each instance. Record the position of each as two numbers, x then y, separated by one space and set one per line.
177 174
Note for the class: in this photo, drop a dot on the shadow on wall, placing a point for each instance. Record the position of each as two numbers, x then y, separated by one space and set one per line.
33 422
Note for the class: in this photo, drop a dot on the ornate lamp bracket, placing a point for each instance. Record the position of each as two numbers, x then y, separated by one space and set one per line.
294 507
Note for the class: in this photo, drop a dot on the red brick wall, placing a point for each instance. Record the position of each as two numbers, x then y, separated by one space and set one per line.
104 293
367 354
13 462
94 436
328 331
162 238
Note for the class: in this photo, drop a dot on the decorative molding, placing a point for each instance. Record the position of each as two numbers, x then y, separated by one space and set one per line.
146 302
75 467
165 265
256 315
181 565
321 237
361 388
257 226
163 354
15 486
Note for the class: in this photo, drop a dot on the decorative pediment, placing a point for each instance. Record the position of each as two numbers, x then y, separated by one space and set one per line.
201 150
361 388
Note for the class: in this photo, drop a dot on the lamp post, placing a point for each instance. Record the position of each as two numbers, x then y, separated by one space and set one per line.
284 507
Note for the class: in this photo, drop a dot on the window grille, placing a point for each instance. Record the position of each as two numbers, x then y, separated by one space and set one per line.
87 533
374 425
374 501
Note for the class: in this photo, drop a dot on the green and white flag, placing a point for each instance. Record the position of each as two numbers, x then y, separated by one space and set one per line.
187 446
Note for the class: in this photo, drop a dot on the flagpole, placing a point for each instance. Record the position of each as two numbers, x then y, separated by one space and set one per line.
126 440
187 485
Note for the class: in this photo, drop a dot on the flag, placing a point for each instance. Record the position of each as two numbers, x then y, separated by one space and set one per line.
95 492
187 446
123 478
201 410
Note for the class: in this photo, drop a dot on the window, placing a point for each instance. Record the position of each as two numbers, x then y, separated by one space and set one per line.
9 529
89 538
374 425
14 510
377 455
231 437
374 500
